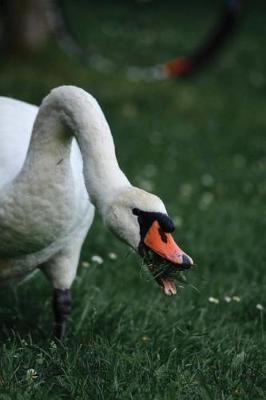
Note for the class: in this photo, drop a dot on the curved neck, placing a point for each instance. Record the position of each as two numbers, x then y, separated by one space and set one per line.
69 112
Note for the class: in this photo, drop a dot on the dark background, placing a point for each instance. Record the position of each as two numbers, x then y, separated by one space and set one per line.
199 144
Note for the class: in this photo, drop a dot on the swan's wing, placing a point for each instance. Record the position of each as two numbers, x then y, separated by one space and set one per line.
16 121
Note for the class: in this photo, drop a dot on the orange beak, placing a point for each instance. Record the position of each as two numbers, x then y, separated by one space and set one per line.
163 244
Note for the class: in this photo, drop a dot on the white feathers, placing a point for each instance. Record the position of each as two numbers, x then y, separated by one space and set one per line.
50 182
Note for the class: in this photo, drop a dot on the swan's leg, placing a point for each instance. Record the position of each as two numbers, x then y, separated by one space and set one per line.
61 271
62 309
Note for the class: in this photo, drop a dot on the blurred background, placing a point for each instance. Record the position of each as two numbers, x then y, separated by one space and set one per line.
200 144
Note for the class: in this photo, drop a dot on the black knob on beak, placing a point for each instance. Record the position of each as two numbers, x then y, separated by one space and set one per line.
187 261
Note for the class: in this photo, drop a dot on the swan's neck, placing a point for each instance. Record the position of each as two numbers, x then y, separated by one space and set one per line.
69 112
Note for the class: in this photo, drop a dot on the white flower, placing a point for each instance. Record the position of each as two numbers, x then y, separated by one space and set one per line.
146 184
150 170
97 259
207 180
31 374
85 264
112 256
178 221
206 199
213 300
236 298
146 338
186 189
259 307
227 299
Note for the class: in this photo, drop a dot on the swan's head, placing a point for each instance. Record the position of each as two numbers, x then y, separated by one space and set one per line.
141 220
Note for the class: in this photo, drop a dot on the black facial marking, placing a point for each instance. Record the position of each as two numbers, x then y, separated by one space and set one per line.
146 219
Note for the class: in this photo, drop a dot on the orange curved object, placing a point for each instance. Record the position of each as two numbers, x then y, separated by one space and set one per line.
163 244
178 66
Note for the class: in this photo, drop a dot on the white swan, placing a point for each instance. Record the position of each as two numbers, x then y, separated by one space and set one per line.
50 184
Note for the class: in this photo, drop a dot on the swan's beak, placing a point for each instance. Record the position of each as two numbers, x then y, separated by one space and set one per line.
163 244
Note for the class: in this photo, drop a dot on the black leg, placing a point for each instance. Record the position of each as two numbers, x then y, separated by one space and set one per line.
62 308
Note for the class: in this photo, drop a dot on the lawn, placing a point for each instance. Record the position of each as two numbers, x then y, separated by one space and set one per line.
200 144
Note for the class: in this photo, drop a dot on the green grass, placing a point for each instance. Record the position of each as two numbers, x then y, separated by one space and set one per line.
201 145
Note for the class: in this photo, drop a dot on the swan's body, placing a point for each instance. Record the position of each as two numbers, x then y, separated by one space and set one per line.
56 164
46 217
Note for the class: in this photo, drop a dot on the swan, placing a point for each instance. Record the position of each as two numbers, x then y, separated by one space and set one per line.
57 165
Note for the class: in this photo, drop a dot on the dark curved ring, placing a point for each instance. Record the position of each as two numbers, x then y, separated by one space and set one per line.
177 67
188 65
